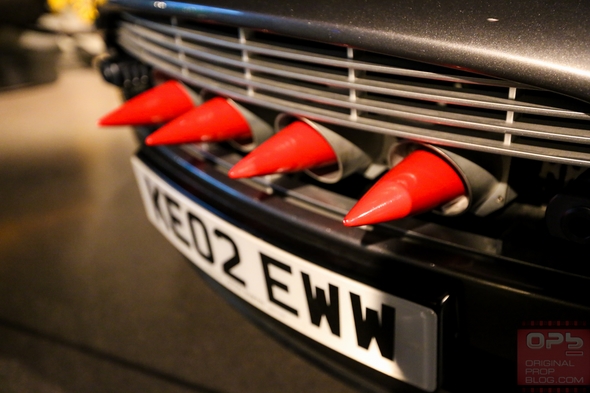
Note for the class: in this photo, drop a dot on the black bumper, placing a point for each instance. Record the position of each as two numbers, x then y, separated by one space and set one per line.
481 301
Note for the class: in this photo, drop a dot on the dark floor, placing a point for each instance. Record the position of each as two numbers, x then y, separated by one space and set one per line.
92 298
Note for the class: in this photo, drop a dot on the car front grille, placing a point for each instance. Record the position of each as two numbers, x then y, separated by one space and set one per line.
365 91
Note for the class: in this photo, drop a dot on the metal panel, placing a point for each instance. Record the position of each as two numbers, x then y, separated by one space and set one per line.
338 85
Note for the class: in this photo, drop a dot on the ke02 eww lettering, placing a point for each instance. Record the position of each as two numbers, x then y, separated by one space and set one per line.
344 315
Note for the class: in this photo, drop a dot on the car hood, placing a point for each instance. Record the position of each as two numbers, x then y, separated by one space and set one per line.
536 42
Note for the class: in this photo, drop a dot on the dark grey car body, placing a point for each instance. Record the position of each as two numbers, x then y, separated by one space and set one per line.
504 83
539 43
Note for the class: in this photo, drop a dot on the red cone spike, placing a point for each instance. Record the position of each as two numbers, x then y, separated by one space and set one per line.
296 147
214 121
157 105
421 182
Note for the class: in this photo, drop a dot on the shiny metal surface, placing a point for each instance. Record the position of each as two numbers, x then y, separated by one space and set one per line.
360 90
92 297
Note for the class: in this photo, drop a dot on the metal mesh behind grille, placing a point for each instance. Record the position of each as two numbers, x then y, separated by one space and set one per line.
365 91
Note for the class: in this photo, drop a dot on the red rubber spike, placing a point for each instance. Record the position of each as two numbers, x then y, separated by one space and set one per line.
295 148
157 105
421 182
214 121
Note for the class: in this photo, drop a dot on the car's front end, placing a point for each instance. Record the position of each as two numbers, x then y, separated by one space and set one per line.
442 299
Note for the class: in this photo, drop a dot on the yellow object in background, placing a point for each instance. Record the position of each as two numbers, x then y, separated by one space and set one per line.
57 5
85 9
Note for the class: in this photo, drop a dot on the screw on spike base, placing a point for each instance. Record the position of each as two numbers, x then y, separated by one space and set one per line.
421 182
295 148
214 121
157 105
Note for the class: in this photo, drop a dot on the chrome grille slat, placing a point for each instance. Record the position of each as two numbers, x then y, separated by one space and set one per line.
256 72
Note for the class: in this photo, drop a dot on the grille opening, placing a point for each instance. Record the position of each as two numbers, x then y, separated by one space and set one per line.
297 103
441 85
457 132
398 62
211 49
207 67
413 105
291 43
160 42
301 66
316 88
579 151
151 35
547 98
209 28
163 54
580 126
474 111
131 49
211 83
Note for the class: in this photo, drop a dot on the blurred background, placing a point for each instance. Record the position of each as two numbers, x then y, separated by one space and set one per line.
92 298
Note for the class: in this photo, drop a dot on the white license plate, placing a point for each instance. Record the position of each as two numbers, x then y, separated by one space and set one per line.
386 333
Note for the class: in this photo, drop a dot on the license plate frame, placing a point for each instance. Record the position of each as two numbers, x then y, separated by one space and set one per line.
394 336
